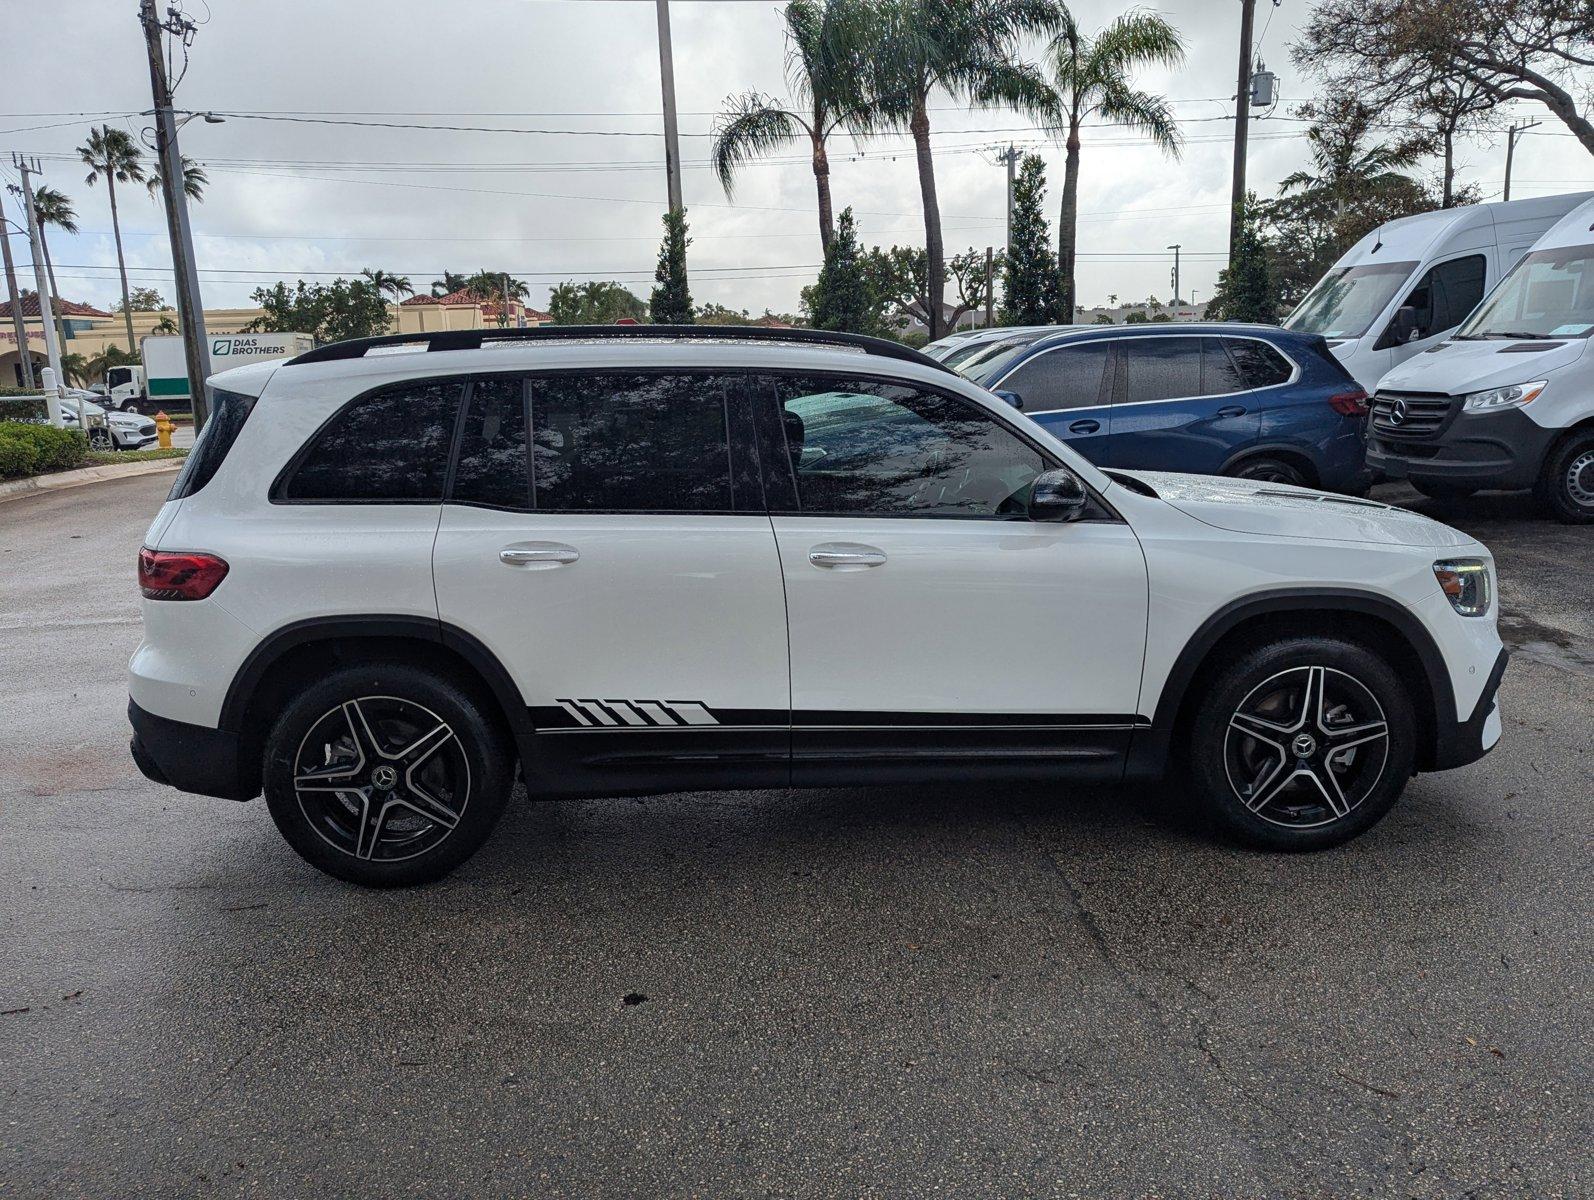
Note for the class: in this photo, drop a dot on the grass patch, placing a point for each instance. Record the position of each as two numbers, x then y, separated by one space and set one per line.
110 458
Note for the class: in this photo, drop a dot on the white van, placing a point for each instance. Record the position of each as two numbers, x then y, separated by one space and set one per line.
1409 282
1508 400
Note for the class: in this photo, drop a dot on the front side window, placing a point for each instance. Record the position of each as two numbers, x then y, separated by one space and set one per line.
1064 378
863 447
1345 302
1446 293
1160 368
390 447
1550 293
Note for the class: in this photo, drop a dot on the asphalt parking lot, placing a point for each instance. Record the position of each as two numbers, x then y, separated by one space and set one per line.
905 992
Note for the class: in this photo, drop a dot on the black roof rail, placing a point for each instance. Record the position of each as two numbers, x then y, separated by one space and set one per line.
474 339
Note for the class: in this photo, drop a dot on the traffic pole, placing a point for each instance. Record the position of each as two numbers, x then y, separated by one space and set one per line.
17 322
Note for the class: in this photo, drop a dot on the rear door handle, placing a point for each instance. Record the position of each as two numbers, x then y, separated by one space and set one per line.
845 556
538 554
1085 426
1233 410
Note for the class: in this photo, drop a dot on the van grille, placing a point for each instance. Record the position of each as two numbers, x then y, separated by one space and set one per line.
1409 414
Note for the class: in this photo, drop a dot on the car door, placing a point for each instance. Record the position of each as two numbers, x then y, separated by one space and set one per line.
935 630
1439 301
628 582
1177 405
1068 389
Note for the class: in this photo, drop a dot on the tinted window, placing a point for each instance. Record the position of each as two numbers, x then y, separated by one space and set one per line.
1259 364
1067 377
492 448
869 447
1447 293
388 447
228 412
1161 368
1219 374
639 443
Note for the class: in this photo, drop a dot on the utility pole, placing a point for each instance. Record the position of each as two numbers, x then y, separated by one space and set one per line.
1510 149
1176 247
672 140
1010 157
52 349
1242 124
190 308
990 286
17 322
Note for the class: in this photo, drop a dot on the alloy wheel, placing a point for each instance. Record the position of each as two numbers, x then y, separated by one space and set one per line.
381 778
1306 747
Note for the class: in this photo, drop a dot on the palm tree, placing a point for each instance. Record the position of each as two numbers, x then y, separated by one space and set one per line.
195 181
967 48
1090 77
75 367
111 155
53 208
397 286
450 283
825 42
1350 177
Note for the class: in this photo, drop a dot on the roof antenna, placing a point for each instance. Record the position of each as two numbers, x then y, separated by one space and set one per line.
1378 239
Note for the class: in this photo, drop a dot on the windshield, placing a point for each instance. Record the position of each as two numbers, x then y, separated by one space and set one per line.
995 357
1550 293
1347 300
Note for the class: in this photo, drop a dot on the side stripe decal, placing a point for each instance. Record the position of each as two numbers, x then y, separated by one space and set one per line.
592 712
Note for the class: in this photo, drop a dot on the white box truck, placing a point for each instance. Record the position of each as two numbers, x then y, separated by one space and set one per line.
163 382
1408 283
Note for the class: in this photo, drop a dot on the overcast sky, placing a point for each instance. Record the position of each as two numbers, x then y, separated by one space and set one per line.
292 199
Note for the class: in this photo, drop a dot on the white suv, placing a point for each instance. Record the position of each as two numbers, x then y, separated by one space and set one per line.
636 560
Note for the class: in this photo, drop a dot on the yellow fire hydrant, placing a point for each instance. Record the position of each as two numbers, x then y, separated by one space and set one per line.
163 430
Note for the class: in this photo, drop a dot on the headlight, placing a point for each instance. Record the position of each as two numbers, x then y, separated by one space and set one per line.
1495 399
1466 583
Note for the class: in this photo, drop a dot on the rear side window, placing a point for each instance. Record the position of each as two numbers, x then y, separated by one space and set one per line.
630 443
1220 375
228 412
1067 377
492 446
389 447
1161 368
1259 364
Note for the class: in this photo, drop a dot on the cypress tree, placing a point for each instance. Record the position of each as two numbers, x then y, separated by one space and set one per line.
1247 289
1030 285
671 301
843 300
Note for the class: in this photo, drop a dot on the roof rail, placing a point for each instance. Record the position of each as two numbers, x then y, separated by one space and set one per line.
474 339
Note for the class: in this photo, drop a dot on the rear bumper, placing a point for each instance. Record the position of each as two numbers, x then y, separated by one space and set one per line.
190 758
1469 740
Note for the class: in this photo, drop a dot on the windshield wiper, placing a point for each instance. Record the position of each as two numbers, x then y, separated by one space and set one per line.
1522 333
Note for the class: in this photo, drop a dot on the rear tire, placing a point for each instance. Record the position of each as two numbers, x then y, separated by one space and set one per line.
1566 484
386 775
1436 490
1268 469
1301 743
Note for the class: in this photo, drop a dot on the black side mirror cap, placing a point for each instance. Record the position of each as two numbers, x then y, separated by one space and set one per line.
1013 398
1058 495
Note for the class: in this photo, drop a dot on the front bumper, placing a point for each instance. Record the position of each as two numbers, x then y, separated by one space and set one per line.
1490 450
1456 745
190 758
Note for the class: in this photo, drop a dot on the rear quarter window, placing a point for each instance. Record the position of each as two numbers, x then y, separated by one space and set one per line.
387 447
228 412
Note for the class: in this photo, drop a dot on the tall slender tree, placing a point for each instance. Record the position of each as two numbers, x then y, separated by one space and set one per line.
843 299
825 45
195 180
111 155
53 208
968 49
1091 77
1029 269
671 301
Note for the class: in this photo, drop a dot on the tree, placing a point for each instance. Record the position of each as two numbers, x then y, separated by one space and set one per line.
76 369
53 208
1091 77
1247 289
844 299
1029 268
449 284
1135 318
396 286
1103 319
718 314
195 181
112 356
671 301
594 303
334 312
1389 50
904 285
111 155
165 325
143 299
826 41
967 48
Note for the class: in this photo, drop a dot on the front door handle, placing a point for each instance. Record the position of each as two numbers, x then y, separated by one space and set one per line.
1085 426
1233 410
538 554
845 556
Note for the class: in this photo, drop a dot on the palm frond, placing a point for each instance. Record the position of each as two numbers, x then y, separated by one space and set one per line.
751 126
1138 39
1143 112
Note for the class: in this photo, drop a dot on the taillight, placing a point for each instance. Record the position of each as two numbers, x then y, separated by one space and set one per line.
168 575
1349 404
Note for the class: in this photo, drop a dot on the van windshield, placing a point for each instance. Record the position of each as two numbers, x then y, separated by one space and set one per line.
1347 300
1549 294
993 357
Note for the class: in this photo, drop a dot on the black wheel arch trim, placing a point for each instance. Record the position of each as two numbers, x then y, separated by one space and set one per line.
1149 752
1272 450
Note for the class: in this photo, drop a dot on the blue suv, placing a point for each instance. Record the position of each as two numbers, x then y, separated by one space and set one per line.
1251 401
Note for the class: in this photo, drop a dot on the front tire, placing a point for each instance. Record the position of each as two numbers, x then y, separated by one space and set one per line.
1301 743
1566 485
386 775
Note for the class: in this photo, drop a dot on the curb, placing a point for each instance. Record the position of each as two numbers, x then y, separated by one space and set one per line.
15 489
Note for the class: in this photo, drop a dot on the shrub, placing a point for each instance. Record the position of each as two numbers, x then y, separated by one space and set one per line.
16 458
47 448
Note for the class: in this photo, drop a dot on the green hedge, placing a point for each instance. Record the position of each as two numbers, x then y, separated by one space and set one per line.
27 449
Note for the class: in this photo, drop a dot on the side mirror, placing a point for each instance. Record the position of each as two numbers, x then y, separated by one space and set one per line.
1013 398
1057 495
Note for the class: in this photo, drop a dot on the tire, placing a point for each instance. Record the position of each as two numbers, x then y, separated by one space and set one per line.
1258 717
1268 469
1436 490
101 439
1566 484
416 749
